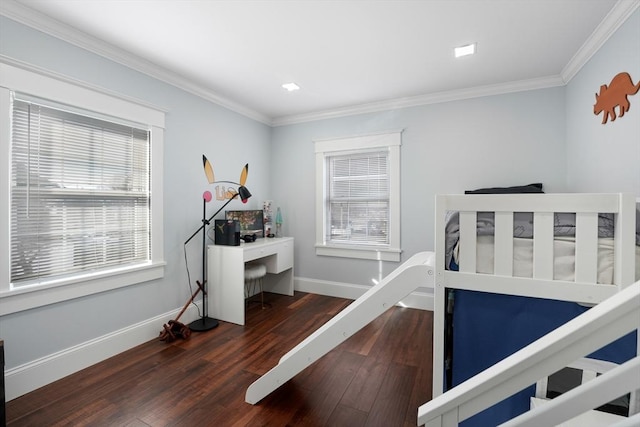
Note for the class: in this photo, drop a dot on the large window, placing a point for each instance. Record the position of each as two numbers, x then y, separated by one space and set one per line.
79 193
358 197
82 194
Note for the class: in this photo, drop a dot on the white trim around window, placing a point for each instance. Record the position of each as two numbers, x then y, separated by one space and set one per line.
17 77
390 141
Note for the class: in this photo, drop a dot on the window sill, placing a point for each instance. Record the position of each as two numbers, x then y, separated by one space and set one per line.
359 252
28 297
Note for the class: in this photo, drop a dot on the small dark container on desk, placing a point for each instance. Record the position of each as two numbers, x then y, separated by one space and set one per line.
227 232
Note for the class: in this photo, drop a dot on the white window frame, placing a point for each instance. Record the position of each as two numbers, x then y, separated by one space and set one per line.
28 80
324 148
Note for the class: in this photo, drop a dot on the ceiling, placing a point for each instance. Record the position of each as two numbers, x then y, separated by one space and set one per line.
347 56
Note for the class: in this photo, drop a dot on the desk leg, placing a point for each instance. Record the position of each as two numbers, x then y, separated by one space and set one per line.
226 285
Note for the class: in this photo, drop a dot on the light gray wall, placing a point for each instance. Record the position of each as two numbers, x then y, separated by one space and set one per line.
503 140
193 127
605 158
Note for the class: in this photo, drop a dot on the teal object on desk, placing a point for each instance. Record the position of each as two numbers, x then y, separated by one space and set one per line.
278 223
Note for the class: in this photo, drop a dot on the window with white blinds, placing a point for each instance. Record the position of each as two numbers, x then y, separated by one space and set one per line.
81 196
80 192
358 197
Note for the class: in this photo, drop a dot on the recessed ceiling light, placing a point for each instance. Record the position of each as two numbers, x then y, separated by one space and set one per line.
469 49
291 86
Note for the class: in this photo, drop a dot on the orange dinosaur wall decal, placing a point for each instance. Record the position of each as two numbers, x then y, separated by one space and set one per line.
615 95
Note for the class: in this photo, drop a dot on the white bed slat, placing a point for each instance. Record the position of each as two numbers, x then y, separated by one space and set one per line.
586 247
581 292
543 245
624 270
503 256
468 238
439 295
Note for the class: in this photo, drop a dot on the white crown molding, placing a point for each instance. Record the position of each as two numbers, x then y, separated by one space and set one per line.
434 98
80 83
609 25
50 26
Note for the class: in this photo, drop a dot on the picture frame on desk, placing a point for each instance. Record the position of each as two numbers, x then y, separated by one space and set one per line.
251 221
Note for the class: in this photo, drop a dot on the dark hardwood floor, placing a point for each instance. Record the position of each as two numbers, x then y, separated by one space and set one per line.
378 377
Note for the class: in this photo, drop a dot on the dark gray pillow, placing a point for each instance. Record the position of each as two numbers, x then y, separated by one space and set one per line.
531 188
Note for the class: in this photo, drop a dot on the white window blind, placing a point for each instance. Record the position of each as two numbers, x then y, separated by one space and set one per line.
358 198
80 193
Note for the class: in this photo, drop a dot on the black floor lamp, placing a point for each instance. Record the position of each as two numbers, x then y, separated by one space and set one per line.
206 323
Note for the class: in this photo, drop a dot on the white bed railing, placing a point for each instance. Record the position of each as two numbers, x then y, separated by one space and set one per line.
543 206
602 324
583 289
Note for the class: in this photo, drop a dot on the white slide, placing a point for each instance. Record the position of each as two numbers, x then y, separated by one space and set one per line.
418 271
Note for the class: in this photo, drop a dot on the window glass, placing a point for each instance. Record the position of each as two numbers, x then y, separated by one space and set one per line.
358 202
80 195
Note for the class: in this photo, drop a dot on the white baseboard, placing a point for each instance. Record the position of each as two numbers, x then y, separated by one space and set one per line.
417 300
37 373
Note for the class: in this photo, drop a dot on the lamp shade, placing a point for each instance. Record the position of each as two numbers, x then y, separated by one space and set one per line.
244 193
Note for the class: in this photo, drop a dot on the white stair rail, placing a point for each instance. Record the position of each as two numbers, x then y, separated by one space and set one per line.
633 421
416 272
592 394
597 327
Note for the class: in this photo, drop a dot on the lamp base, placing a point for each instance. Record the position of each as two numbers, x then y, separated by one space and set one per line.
203 324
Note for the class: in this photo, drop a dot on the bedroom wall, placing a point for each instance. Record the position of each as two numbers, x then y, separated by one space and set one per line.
49 339
605 158
501 140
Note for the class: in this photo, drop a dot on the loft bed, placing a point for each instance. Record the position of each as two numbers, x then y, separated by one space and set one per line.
421 269
512 267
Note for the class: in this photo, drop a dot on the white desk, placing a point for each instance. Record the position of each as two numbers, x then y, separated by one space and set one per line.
225 284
